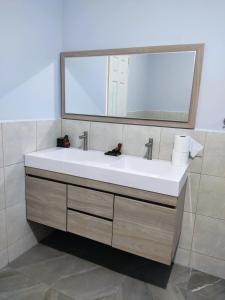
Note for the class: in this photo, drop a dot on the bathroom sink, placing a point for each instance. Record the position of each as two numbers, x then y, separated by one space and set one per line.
157 176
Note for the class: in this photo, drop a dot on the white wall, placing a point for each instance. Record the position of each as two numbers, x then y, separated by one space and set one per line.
100 24
31 40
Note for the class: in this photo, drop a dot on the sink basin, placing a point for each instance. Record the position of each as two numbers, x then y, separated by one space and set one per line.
157 176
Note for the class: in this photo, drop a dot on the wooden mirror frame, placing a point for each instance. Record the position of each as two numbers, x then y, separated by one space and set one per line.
198 48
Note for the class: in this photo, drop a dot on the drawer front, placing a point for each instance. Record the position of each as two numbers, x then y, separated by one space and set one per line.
46 202
90 227
90 201
144 229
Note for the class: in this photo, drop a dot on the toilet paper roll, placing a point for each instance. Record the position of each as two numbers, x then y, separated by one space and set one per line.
180 158
182 143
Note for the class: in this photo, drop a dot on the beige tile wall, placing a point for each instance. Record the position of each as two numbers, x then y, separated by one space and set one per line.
16 139
202 242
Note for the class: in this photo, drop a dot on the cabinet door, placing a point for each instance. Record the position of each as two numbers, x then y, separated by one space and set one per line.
46 202
144 229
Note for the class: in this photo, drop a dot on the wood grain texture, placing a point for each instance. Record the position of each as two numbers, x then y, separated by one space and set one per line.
144 229
46 202
141 240
199 50
104 186
90 227
90 201
179 218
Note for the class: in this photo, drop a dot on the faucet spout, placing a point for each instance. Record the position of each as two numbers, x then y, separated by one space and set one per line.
149 146
84 137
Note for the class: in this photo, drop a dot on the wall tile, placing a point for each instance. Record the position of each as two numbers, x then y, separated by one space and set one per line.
167 141
208 264
209 237
3 239
47 133
191 197
135 138
14 184
3 258
214 156
17 225
19 138
74 129
105 136
182 257
2 189
212 197
187 230
22 245
1 147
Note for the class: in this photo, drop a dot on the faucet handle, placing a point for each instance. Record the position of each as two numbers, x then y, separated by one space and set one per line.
84 135
149 143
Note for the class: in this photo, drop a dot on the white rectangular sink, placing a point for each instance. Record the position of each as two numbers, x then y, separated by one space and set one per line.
157 176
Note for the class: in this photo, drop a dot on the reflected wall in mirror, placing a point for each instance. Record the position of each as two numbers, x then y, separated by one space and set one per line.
158 84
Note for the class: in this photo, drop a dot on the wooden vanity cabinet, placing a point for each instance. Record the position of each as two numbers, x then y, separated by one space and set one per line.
148 225
46 202
144 229
91 201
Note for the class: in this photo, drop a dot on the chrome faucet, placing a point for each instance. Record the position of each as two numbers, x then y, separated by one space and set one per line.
149 146
85 138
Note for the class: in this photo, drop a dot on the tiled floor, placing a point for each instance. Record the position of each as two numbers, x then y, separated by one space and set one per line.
47 273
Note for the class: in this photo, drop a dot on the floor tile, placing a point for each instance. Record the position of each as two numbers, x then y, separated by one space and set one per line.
90 285
206 286
12 281
44 273
37 254
52 270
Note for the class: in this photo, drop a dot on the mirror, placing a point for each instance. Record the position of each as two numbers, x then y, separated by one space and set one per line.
154 86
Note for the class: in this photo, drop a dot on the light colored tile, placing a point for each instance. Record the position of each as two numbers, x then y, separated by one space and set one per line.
214 156
1 147
167 142
208 264
212 197
191 196
187 230
22 245
74 129
14 184
47 133
209 237
135 138
3 258
182 257
3 239
17 225
2 189
19 138
105 136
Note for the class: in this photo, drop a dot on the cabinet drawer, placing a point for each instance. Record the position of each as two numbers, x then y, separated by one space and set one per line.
91 227
144 229
46 202
90 201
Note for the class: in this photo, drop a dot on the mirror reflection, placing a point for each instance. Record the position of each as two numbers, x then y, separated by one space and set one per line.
154 86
